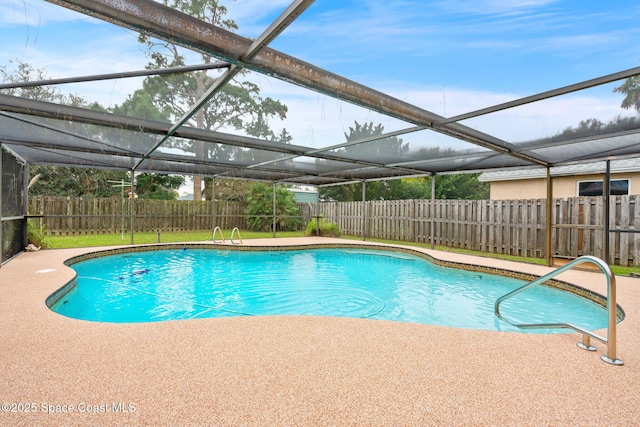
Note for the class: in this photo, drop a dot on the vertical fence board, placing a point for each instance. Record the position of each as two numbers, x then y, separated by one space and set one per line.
624 225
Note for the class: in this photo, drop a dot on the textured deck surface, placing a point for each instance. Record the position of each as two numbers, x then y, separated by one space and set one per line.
301 371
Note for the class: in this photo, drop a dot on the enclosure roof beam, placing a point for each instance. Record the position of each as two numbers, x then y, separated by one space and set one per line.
548 94
30 139
112 76
370 138
99 118
81 115
172 25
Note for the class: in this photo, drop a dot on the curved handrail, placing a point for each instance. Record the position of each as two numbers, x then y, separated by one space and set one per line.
213 235
611 308
232 233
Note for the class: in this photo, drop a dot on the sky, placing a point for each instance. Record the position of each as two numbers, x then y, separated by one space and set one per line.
449 57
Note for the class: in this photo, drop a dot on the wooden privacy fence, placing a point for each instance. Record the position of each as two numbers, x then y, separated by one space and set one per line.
68 216
513 227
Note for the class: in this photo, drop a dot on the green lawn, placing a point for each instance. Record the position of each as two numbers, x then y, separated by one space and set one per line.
615 269
59 242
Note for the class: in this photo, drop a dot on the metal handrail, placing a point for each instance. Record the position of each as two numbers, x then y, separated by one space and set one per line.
233 232
213 235
610 341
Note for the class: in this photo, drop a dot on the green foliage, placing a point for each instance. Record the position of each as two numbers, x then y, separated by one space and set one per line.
36 235
327 228
57 180
631 90
158 186
591 127
260 208
141 105
235 190
24 72
82 182
394 150
74 182
391 149
461 187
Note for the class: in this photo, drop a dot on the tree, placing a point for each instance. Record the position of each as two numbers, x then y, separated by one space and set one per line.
74 182
158 186
24 72
234 190
141 105
631 90
260 208
390 149
461 187
87 182
591 127
58 180
416 188
237 105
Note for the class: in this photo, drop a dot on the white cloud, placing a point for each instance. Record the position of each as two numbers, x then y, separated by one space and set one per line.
89 59
254 16
317 120
35 13
490 7
531 121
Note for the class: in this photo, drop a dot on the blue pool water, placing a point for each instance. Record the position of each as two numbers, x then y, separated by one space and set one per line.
178 284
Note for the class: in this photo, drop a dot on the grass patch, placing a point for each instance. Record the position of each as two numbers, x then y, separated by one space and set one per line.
615 269
93 240
86 241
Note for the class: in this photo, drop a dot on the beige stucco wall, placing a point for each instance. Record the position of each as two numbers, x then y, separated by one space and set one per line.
563 186
518 189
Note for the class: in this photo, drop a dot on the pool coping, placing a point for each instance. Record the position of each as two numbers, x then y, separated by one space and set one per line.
297 370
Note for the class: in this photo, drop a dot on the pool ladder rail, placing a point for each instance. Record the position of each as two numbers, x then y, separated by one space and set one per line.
233 232
585 344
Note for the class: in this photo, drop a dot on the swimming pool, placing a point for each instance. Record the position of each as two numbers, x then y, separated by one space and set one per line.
190 283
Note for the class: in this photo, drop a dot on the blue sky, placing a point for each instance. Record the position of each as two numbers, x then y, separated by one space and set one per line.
486 45
446 56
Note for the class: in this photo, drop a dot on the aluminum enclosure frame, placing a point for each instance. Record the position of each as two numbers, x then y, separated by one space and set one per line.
279 162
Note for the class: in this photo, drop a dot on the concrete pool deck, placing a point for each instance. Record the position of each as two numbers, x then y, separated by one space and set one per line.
302 371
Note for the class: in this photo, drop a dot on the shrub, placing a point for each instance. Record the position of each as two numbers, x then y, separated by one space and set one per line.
36 235
260 209
327 228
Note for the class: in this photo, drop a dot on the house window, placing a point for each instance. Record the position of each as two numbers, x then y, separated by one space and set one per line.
619 187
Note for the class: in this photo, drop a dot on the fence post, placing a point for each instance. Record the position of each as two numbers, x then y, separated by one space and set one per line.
606 195
213 206
549 219
433 210
133 211
364 209
274 209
